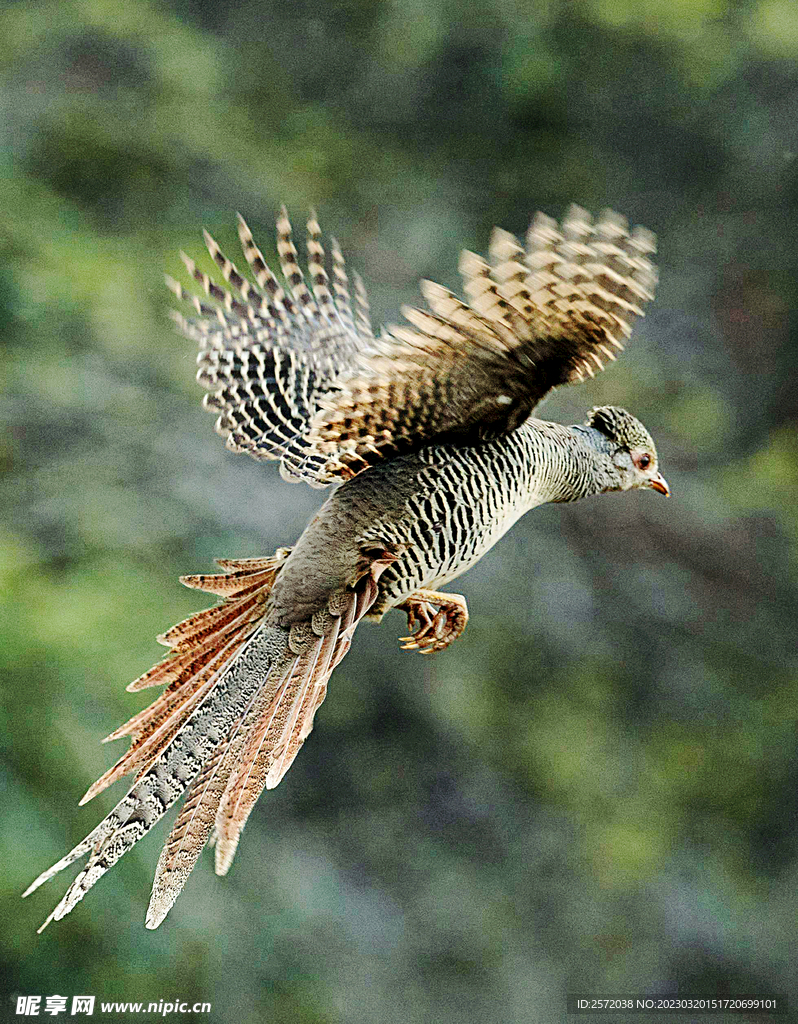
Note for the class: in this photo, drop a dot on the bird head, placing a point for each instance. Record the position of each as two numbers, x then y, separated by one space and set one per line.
632 449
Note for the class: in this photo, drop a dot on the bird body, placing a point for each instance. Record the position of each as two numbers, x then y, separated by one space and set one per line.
428 433
440 509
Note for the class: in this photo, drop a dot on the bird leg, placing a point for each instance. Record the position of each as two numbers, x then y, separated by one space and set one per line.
435 629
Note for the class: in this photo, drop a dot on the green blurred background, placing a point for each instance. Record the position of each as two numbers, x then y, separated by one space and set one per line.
596 789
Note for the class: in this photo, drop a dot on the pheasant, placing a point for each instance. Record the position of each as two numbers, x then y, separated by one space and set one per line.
428 432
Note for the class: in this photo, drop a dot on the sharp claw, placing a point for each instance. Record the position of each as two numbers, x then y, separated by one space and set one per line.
435 629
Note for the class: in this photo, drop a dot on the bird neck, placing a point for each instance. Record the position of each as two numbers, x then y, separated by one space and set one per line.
570 462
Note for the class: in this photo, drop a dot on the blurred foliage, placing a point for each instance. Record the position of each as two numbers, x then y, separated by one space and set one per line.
596 790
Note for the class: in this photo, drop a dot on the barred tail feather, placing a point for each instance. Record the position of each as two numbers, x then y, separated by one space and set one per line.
189 835
201 645
160 723
169 776
262 744
227 726
179 731
281 722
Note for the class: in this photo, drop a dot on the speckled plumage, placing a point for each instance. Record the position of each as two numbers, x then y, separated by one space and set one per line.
429 430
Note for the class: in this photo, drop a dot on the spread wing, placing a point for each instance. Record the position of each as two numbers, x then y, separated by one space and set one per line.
268 352
300 379
553 312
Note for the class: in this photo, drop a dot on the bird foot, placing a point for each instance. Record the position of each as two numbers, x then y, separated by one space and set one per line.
433 630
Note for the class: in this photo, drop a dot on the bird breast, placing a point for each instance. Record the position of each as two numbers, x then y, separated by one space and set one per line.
456 503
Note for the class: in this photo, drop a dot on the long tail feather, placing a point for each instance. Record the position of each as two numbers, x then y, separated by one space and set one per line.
160 727
264 727
281 723
168 737
217 633
188 837
166 780
230 723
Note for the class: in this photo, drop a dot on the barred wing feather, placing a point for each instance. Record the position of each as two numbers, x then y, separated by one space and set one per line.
268 352
550 313
295 374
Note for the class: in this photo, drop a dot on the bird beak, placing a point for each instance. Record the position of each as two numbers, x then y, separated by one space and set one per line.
659 483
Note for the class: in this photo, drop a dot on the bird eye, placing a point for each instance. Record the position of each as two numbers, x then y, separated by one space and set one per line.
644 461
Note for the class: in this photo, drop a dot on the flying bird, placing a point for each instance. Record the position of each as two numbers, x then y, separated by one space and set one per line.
428 435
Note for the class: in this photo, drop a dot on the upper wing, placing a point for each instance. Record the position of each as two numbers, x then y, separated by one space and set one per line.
297 376
550 313
268 352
